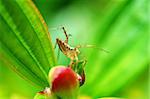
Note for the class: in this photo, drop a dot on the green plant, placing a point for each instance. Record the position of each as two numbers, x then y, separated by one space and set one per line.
119 26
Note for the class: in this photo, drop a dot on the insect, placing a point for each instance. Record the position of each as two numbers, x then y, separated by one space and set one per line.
69 51
66 49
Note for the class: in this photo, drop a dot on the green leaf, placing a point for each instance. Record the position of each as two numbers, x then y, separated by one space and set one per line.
25 42
124 33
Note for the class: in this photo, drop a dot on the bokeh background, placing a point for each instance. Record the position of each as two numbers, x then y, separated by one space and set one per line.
119 26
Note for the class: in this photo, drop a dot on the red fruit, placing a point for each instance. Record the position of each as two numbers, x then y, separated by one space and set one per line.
64 81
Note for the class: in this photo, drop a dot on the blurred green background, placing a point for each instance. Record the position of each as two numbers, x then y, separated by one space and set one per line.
119 26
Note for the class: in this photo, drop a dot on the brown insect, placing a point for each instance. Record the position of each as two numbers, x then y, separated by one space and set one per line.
71 52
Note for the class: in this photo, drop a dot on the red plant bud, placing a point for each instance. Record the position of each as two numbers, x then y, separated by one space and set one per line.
64 82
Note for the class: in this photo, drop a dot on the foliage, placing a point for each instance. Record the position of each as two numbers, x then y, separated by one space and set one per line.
25 44
120 26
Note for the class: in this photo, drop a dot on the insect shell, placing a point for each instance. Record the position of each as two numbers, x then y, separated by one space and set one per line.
70 52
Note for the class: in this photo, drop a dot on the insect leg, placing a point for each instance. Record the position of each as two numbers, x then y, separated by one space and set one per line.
92 46
55 45
71 64
58 54
65 35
